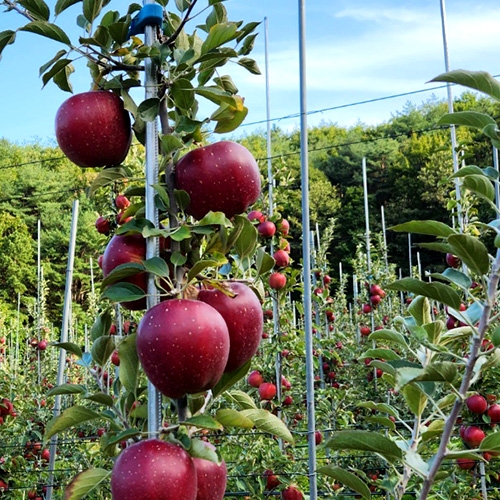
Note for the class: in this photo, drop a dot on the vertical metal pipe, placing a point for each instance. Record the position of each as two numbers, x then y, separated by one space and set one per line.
64 338
367 218
306 254
410 263
152 246
270 176
386 258
453 132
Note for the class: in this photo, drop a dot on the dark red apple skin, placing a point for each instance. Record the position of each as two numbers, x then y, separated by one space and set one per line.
221 177
93 129
211 479
125 249
153 470
243 316
183 346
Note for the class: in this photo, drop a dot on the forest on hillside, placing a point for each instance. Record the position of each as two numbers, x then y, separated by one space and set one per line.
408 158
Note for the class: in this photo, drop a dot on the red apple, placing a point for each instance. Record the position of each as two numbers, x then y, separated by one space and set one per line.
183 346
255 379
375 300
266 229
494 413
287 400
272 480
473 436
221 177
256 215
93 129
155 470
292 493
267 391
318 437
45 455
281 258
211 479
103 225
243 316
466 463
476 404
115 358
277 281
452 260
367 308
283 227
365 331
42 345
122 202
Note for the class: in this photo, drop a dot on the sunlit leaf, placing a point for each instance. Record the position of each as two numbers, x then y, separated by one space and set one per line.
69 347
123 292
203 422
84 483
67 389
71 417
233 418
267 422
430 227
477 80
219 35
47 30
108 176
37 8
6 38
472 252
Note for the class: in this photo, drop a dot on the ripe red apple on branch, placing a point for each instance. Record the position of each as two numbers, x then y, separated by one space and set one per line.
183 346
243 316
156 470
221 177
93 129
211 478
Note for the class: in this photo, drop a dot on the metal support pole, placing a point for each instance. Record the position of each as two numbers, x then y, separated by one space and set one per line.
306 255
152 244
367 218
453 132
270 176
64 338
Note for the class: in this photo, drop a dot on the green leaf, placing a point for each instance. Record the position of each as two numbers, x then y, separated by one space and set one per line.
415 398
386 354
233 418
491 442
416 462
101 325
136 225
37 8
48 64
58 67
420 309
6 38
48 30
381 421
67 389
479 185
181 233
430 227
69 347
128 371
157 266
199 267
347 478
434 429
230 378
242 399
477 80
388 336
229 117
71 417
203 422
123 292
62 5
215 219
122 272
92 9
61 78
365 441
181 198
182 94
178 259
263 261
216 95
219 35
101 398
149 109
380 407
102 348
108 176
467 118
84 483
250 65
472 252
267 422
170 143
453 276
435 291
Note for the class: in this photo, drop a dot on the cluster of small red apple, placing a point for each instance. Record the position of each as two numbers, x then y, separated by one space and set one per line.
267 229
473 435
6 410
106 223
33 450
376 294
41 344
291 492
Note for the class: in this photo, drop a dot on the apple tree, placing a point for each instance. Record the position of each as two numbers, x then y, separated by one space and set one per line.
209 267
438 354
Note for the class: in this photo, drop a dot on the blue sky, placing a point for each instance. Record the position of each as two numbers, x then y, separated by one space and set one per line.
356 51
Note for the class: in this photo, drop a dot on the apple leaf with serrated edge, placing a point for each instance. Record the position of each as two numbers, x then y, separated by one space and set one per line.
85 482
267 422
347 478
71 417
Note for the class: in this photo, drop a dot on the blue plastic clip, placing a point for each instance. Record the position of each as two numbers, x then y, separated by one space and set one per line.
150 15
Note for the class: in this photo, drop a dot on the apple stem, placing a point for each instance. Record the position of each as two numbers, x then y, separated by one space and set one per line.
182 409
